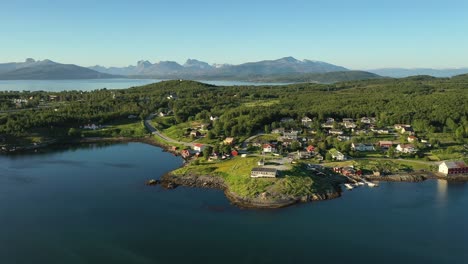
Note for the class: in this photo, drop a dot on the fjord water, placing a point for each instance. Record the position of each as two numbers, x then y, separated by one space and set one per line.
94 84
90 205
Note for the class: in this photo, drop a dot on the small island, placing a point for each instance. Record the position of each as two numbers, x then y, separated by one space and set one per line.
264 146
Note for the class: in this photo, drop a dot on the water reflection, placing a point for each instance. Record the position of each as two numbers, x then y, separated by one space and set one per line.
442 186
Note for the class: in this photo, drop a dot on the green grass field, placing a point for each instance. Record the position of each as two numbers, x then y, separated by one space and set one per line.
261 103
236 173
124 128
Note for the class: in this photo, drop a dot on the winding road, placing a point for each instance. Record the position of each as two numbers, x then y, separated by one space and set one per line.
156 132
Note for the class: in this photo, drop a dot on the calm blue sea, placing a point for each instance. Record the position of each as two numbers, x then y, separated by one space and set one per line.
88 85
89 205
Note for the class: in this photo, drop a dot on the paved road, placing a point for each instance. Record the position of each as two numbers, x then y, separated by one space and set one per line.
154 131
247 141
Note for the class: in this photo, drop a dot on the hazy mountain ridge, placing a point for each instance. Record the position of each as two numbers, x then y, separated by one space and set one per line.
196 68
404 72
47 70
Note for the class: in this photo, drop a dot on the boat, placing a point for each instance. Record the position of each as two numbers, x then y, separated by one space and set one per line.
371 184
348 186
360 183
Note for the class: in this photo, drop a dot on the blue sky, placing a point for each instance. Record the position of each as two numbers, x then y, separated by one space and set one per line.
359 34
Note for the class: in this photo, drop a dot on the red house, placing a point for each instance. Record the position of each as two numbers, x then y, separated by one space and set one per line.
310 148
234 153
385 144
453 167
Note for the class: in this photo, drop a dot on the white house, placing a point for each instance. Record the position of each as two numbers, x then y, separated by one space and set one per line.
290 134
368 120
198 147
91 126
335 132
269 148
349 125
336 155
263 173
172 97
362 147
406 148
306 121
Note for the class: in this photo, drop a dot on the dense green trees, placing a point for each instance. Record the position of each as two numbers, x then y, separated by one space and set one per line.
430 104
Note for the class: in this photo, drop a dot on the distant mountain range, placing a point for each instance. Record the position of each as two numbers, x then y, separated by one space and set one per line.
402 72
287 69
199 69
47 70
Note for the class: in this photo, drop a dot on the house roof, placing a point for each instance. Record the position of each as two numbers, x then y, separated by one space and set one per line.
265 169
406 146
385 142
268 145
198 145
455 164
363 144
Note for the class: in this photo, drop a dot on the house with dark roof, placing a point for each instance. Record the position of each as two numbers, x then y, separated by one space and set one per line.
362 147
453 167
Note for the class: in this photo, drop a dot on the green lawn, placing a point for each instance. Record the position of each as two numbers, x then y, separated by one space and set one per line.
261 103
236 173
180 132
124 128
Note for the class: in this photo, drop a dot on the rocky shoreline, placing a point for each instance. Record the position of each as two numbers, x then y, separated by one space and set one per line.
263 200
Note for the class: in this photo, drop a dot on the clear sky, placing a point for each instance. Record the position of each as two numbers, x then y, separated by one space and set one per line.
359 34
